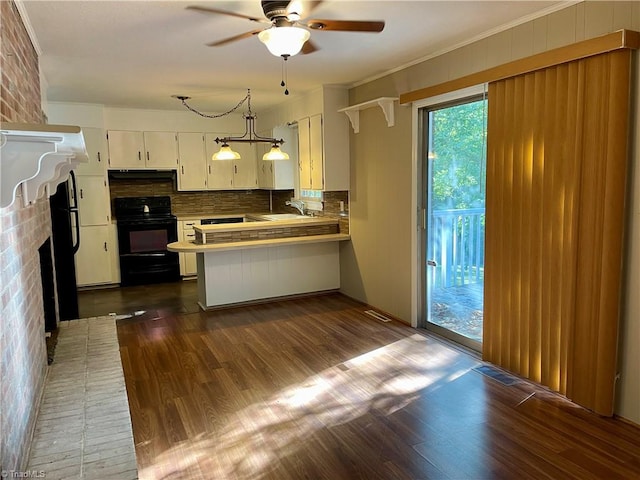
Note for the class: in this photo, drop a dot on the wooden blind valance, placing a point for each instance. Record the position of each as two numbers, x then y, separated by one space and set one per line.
621 39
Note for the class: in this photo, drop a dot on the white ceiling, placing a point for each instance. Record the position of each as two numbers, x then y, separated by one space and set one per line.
139 53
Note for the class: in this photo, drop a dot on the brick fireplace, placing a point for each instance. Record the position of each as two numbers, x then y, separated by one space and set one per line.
23 356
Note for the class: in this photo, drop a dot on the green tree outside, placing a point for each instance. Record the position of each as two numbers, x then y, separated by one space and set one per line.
458 151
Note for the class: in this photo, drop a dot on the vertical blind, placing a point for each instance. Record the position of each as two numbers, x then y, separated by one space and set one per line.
556 183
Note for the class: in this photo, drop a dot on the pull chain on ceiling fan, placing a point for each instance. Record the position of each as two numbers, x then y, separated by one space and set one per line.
287 35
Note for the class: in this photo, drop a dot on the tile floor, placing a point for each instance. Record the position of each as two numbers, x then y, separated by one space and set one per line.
83 429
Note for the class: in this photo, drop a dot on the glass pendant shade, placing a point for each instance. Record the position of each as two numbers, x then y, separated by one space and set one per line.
284 40
275 154
225 153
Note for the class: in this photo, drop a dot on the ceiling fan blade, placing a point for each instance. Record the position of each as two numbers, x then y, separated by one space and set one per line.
345 25
224 12
308 47
224 41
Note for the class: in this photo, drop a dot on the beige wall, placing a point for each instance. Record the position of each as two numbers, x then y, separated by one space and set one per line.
376 266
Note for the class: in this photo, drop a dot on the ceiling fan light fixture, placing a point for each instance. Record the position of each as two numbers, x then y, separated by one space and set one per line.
225 153
284 41
275 153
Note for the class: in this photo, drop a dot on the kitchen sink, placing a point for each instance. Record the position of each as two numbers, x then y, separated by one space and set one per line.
283 216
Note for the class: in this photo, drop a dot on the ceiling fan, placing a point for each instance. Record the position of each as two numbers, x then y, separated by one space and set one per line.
286 36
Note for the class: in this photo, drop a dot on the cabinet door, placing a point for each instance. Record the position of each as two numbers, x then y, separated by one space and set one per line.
316 152
265 179
283 170
93 200
126 149
93 259
219 172
192 171
95 141
304 153
265 173
245 173
161 149
188 264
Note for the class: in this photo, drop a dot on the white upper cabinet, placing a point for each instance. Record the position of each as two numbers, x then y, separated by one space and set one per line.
323 143
95 141
126 149
192 171
138 150
311 152
316 152
278 174
161 149
231 174
245 173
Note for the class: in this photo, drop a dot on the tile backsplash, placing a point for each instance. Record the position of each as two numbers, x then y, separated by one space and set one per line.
221 202
193 203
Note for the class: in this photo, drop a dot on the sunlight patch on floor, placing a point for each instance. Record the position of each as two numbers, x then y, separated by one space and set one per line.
253 440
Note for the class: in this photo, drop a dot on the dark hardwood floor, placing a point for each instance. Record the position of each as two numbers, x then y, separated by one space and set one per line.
164 299
312 388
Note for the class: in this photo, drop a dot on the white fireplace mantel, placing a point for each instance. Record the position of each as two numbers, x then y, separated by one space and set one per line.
36 158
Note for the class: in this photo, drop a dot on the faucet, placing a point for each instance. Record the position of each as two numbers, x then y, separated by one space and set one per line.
297 204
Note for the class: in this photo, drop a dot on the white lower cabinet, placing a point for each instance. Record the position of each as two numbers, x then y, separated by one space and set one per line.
188 265
96 255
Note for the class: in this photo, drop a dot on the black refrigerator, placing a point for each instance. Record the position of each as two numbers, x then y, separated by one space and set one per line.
66 241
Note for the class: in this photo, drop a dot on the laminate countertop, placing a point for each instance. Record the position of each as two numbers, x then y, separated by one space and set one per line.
260 223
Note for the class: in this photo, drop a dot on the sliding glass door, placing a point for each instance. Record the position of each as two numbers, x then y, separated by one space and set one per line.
454 201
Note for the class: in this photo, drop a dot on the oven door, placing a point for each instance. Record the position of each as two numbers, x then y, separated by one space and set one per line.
144 257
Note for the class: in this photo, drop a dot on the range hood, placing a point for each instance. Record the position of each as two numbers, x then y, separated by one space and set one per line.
35 158
142 174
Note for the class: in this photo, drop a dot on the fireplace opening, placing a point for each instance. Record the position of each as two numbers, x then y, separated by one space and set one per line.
48 286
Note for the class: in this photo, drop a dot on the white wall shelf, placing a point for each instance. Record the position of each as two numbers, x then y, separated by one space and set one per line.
385 103
36 158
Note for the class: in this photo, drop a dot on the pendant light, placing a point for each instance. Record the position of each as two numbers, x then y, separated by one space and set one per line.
249 136
225 153
275 153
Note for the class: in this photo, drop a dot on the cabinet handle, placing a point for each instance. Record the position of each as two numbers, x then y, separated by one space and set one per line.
81 194
139 156
105 247
271 168
99 159
182 168
209 169
235 167
147 156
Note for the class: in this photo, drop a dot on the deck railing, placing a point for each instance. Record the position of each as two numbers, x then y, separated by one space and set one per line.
457 247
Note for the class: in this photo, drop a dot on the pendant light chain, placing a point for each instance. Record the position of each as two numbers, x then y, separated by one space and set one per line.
249 136
205 115
284 81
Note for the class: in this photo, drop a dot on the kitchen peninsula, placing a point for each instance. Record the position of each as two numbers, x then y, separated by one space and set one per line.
266 256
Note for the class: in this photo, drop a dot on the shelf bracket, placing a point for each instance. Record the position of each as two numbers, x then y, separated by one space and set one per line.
385 103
